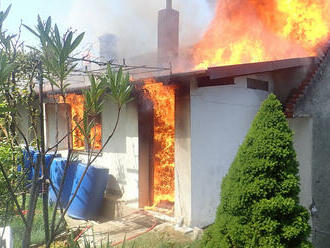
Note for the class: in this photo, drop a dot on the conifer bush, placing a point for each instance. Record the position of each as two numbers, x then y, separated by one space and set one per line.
259 196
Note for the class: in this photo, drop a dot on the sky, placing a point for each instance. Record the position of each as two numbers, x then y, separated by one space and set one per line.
134 22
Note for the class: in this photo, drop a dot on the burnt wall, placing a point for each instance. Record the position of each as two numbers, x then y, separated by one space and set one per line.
286 80
183 155
316 104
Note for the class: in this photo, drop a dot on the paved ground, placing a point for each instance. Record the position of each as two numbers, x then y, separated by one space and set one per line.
131 224
117 222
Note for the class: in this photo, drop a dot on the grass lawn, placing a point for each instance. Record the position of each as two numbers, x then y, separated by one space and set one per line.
38 235
166 238
161 240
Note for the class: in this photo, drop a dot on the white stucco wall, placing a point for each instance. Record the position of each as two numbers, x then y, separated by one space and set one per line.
121 154
24 123
220 119
303 144
50 124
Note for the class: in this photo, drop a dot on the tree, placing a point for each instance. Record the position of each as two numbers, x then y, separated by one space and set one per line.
259 196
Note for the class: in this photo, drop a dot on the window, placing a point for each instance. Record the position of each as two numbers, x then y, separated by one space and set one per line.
257 84
79 142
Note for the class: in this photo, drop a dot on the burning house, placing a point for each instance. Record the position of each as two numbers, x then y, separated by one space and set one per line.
178 138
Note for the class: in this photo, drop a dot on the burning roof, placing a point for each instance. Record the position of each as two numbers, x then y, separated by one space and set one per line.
246 31
253 36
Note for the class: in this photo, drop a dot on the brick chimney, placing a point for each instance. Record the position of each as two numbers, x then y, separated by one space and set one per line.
168 35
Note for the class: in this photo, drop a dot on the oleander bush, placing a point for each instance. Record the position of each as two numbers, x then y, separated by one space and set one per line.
8 154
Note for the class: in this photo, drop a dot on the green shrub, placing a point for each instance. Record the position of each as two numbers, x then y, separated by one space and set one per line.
8 153
259 196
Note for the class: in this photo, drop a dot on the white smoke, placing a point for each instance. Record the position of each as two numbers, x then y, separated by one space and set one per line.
134 22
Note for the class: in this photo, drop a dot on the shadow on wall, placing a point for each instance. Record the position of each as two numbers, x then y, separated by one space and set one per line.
113 187
111 207
121 176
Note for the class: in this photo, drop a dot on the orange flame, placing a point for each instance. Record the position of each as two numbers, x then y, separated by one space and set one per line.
163 98
96 136
76 103
246 31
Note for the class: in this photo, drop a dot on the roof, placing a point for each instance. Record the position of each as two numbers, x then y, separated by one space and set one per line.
255 68
212 76
225 74
77 84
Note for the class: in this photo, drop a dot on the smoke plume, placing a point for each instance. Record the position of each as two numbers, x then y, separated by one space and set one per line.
134 22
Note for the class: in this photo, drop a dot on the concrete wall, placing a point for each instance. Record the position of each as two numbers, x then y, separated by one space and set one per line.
183 157
303 144
220 119
316 104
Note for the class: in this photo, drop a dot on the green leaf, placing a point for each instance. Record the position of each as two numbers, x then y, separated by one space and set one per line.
55 52
67 46
52 81
31 30
48 24
76 42
4 15
57 37
6 109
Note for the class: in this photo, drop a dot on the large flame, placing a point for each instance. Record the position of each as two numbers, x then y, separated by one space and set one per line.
245 31
163 99
76 103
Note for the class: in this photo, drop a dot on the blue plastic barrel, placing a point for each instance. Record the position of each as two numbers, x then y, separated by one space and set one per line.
88 201
48 159
27 163
56 175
